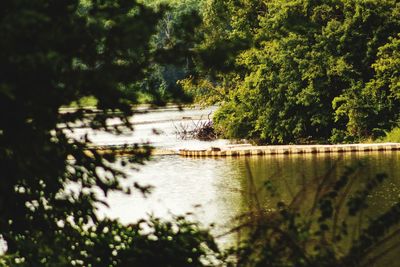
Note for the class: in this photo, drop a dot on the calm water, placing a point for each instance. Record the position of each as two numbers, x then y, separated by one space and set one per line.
216 190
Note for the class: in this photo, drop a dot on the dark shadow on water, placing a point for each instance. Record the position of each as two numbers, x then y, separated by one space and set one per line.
301 184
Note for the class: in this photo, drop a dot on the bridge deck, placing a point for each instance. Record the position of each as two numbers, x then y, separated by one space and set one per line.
247 150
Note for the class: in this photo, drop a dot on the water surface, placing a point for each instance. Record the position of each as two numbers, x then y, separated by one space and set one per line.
217 190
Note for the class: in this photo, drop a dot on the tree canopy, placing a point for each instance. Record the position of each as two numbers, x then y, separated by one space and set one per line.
283 72
51 54
307 70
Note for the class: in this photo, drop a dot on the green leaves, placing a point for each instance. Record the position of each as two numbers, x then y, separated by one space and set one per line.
312 70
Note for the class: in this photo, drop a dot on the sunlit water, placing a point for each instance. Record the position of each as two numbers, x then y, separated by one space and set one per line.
217 190
158 128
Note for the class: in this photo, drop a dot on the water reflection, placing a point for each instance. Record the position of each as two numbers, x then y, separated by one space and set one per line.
290 174
218 190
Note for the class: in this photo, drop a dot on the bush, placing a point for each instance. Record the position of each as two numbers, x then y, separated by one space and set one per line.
392 136
312 69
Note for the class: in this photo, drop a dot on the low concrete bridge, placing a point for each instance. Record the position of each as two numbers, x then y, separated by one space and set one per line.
248 150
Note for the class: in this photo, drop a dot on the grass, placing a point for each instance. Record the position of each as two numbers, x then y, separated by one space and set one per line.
392 136
87 101
91 101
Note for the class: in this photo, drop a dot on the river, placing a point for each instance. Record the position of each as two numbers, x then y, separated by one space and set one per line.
216 190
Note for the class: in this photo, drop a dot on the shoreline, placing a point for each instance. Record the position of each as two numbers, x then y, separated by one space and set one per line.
250 150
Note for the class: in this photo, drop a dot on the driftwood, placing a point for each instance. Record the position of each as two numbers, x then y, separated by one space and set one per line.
200 129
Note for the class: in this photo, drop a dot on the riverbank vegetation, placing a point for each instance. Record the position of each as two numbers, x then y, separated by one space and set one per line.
392 136
282 71
302 71
54 53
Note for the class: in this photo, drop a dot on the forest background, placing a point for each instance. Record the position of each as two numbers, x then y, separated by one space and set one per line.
298 71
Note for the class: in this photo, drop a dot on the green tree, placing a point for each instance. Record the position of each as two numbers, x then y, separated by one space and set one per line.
175 34
53 53
307 70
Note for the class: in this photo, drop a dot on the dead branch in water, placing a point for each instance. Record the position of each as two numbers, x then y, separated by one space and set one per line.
196 129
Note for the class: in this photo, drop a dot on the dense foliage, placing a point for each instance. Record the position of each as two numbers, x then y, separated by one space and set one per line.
175 33
310 70
286 71
51 54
